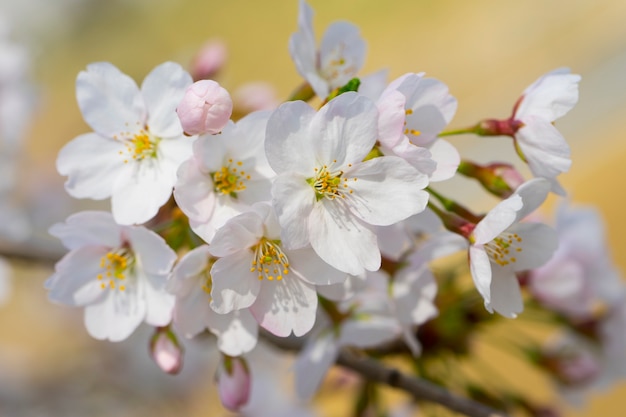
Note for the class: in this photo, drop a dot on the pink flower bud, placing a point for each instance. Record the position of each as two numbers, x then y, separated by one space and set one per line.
205 108
165 350
255 96
209 60
233 383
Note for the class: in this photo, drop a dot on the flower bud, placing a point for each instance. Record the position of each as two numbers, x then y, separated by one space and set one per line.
165 350
209 60
205 108
233 382
255 96
499 179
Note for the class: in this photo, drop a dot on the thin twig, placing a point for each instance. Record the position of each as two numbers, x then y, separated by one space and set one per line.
419 388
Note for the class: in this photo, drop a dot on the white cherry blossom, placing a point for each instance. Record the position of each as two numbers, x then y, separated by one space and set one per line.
227 173
325 194
340 56
118 273
137 144
255 271
502 246
191 283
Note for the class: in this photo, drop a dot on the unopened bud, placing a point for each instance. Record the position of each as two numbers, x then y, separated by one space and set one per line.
254 96
500 179
233 382
206 107
495 127
209 60
165 350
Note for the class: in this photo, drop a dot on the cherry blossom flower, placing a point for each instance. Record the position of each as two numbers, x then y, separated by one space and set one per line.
118 273
413 111
206 107
581 277
340 56
255 271
165 350
531 126
325 194
502 246
191 283
137 144
225 176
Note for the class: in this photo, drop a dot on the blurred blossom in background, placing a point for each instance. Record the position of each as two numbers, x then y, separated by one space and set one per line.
487 52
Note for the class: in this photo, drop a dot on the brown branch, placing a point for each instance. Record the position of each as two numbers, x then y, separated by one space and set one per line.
374 370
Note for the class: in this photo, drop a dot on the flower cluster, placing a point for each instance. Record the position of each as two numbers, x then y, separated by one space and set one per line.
314 222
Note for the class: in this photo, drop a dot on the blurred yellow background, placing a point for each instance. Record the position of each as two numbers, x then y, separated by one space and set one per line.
487 51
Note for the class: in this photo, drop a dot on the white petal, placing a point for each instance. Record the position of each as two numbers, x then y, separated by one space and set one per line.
543 146
286 306
237 235
237 332
533 193
92 164
293 199
506 297
192 312
288 146
497 220
140 191
538 245
387 190
313 362
307 265
341 239
163 89
109 100
391 118
369 331
234 286
420 158
194 191
159 303
153 254
432 107
551 96
88 228
447 158
344 130
480 267
115 318
75 280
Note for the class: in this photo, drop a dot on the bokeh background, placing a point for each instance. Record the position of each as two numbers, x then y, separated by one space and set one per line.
487 51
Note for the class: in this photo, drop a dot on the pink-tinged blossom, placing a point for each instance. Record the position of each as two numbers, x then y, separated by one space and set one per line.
581 277
325 194
191 283
255 271
254 96
233 382
137 144
206 107
118 273
209 60
413 111
165 350
531 125
340 56
501 246
225 176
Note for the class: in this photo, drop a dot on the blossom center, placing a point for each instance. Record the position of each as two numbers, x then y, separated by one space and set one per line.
269 260
142 145
229 180
116 264
337 67
330 184
503 249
